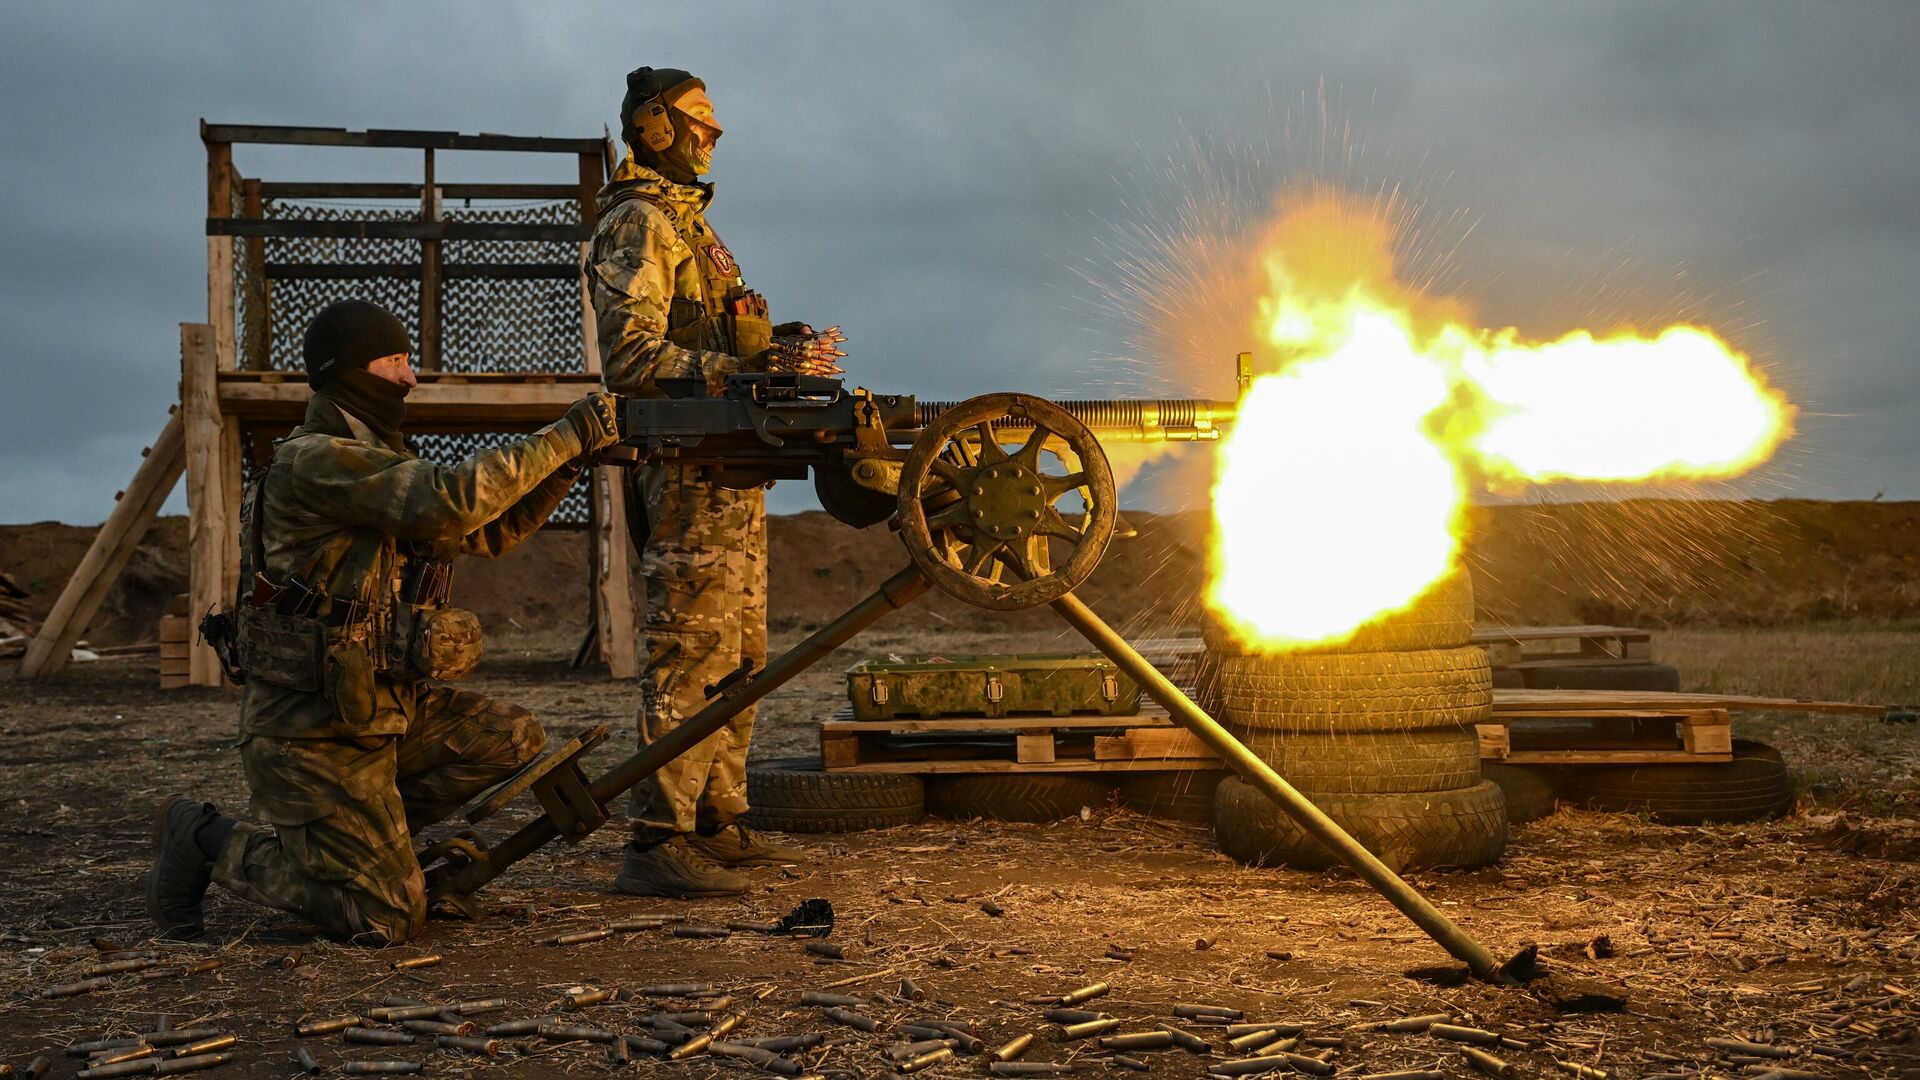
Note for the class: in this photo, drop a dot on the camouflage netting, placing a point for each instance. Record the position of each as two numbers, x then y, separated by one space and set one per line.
527 325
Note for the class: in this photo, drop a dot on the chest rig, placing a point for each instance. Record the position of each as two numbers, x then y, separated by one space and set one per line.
725 316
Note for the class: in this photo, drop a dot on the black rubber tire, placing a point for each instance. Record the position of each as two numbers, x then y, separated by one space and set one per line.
1754 786
796 795
1345 692
1014 796
1371 762
1465 828
1648 676
1507 678
1441 618
1177 796
1532 790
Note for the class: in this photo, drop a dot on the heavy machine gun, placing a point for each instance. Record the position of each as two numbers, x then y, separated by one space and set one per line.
1006 501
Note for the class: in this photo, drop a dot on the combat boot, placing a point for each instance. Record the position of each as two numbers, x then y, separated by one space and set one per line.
181 870
737 845
675 868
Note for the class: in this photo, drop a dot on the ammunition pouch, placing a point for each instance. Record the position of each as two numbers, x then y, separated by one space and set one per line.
286 650
746 336
347 680
444 644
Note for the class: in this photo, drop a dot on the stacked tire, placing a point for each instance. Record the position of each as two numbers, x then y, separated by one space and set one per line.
1377 731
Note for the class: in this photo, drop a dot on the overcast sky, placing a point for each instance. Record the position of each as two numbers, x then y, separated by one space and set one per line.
939 177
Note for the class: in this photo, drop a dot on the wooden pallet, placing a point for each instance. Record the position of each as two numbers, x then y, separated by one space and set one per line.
1610 737
982 744
1550 646
176 642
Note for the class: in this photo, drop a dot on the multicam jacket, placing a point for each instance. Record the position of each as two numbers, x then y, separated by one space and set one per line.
667 294
345 512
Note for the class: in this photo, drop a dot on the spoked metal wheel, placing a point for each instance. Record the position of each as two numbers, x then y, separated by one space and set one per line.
978 511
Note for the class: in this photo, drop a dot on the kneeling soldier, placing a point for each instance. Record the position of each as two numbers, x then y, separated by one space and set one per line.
347 744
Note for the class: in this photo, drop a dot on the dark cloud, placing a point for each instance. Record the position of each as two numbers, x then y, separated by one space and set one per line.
937 177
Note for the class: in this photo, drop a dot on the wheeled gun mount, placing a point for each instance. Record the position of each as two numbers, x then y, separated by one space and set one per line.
781 427
975 500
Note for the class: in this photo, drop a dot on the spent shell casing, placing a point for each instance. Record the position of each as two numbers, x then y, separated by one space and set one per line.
308 1028
515 1028
1312 1066
645 1045
695 1018
581 937
400 1001
618 1054
1457 1033
1085 993
580 999
475 1008
815 997
175 1066
1326 1042
1254 1040
692 1046
115 1057
1028 1068
1138 1040
920 1031
754 927
780 1044
414 963
827 949
82 1049
759 1057
1088 1029
964 1039
1072 1016
717 1005
1406 1024
1245 1029
1189 1011
914 1049
1585 1072
122 1068
1252 1066
1486 1063
1186 1040
205 966
304 1058
726 1024
700 932
38 1068
74 989
1126 1062
853 1020
375 1068
181 1036
207 1046
393 1014
669 1030
448 1016
573 1033
472 1044
911 990
430 1027
925 1061
116 967
1013 1048
675 989
1406 1074
377 1037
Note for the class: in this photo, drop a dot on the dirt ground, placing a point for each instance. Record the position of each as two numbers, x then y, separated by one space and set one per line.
1802 934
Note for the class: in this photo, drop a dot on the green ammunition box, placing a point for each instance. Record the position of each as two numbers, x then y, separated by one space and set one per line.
1056 684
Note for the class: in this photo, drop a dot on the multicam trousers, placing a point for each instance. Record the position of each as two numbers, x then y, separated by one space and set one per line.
704 566
343 811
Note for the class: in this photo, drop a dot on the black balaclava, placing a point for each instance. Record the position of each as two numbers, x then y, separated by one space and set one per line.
340 342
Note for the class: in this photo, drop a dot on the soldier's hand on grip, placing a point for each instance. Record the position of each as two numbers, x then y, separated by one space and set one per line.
596 419
799 348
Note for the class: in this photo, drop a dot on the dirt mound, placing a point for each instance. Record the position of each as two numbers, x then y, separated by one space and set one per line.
1641 562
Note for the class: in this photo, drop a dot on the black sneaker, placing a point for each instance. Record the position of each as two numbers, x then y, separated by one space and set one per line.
674 868
737 845
181 871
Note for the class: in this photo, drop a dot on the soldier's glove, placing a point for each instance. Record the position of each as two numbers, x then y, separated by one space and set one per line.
800 349
594 417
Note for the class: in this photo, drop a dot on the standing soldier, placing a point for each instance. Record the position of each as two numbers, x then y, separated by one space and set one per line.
670 304
347 746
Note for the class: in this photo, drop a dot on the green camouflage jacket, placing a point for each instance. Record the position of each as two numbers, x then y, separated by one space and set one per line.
656 270
344 511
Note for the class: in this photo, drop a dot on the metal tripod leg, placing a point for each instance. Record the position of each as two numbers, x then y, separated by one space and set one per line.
454 881
1261 775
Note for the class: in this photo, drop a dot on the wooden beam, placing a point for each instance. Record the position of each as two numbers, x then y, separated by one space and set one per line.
220 300
400 138
399 230
107 556
258 347
613 587
212 526
429 276
342 189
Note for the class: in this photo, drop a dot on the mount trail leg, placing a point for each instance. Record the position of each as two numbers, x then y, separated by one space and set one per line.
457 884
1261 775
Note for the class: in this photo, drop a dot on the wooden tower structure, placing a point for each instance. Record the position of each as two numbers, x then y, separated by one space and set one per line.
488 273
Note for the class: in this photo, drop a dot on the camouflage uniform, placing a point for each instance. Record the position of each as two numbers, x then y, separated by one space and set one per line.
670 304
346 775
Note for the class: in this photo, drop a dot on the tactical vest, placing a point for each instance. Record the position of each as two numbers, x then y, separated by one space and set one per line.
727 316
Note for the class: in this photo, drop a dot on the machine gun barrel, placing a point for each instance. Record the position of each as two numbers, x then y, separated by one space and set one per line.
1129 419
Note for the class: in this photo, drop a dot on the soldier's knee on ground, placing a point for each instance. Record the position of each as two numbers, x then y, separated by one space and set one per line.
525 737
390 916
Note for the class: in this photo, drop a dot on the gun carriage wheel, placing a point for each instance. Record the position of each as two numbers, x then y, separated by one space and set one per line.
972 512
